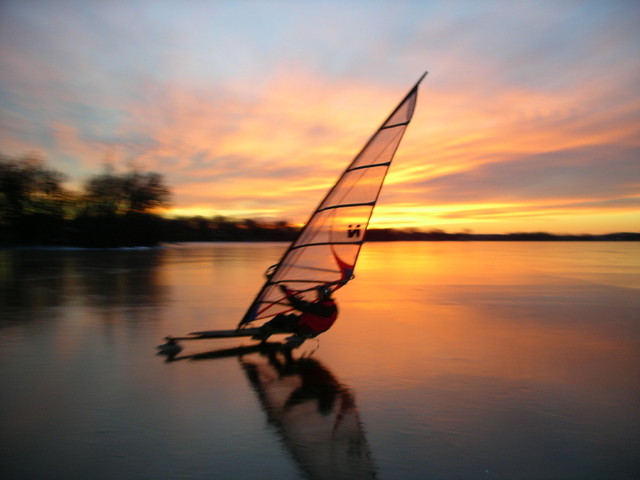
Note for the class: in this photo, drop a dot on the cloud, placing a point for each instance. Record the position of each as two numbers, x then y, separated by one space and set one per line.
601 172
529 110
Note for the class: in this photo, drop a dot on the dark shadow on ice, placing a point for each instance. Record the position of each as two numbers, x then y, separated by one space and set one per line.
172 350
314 414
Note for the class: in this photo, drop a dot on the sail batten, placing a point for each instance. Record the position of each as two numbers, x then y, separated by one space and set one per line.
346 205
321 244
384 164
403 124
327 248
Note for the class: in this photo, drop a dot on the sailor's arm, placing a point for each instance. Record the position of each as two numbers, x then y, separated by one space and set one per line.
294 300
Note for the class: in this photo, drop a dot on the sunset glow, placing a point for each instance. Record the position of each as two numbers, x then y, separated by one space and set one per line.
528 121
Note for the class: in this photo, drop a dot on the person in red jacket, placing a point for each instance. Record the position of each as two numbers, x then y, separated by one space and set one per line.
315 317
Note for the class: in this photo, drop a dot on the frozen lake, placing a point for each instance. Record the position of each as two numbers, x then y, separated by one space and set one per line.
452 360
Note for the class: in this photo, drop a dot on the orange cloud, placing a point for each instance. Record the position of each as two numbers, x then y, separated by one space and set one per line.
469 160
283 152
514 121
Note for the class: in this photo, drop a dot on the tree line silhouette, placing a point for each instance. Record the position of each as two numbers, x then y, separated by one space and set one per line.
116 209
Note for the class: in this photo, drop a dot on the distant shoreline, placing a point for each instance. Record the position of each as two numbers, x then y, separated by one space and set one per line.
435 236
377 236
148 230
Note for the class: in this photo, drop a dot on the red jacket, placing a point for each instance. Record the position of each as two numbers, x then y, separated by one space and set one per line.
316 317
314 323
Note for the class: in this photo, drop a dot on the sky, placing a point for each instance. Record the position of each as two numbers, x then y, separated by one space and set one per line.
529 118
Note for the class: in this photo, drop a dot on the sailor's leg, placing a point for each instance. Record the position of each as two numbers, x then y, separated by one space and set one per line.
281 323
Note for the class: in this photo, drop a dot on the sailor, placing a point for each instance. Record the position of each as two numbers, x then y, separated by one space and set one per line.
315 317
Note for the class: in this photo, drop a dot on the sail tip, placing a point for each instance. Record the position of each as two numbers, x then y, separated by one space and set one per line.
422 77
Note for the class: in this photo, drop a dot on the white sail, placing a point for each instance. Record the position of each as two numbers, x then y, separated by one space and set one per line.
327 248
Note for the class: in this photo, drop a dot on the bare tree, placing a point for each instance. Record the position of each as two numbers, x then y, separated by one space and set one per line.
129 192
28 187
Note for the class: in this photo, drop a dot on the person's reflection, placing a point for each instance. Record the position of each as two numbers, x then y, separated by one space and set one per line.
316 416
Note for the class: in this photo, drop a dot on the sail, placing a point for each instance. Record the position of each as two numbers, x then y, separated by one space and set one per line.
327 248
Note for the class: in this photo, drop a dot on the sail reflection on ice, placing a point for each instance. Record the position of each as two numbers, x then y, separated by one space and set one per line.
315 415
